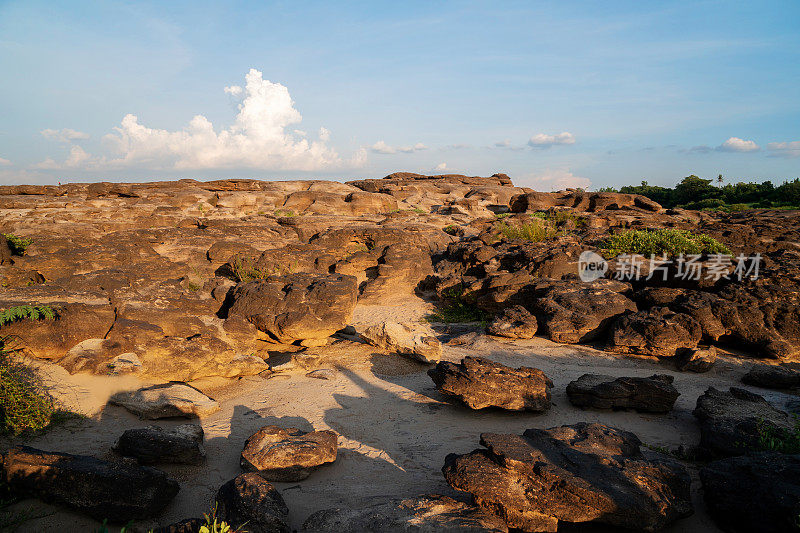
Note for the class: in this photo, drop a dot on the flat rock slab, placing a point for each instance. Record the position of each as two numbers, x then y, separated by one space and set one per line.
655 394
416 341
153 445
423 513
759 492
168 400
118 492
288 454
572 474
514 322
481 383
250 502
732 422
657 332
772 376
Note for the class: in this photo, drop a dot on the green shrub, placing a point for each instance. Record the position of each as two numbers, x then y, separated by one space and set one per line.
33 312
18 245
285 213
456 307
559 218
775 439
671 242
244 270
452 229
215 525
536 230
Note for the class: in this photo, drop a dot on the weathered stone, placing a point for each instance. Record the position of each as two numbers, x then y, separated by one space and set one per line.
772 376
572 474
288 454
423 513
515 323
115 491
655 332
481 383
655 394
697 359
153 445
251 501
167 400
732 422
418 341
759 492
187 525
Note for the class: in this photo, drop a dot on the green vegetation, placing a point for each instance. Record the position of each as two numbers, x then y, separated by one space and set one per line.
694 192
18 245
285 213
12 520
775 439
537 230
416 210
243 270
33 312
671 242
452 229
560 218
215 525
457 306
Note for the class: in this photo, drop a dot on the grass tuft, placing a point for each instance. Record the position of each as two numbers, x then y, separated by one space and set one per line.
537 230
456 307
671 242
774 439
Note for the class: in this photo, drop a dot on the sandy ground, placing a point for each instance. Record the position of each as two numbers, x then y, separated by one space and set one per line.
395 428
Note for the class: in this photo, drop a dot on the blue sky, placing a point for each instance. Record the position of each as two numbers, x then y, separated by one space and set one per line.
552 93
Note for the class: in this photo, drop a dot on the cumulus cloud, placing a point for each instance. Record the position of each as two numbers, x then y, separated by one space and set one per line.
381 147
66 135
785 149
735 144
554 180
259 138
441 167
77 158
542 140
4 162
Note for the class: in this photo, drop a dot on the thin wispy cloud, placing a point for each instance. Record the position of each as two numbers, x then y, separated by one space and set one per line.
553 180
543 140
784 149
381 147
4 162
66 135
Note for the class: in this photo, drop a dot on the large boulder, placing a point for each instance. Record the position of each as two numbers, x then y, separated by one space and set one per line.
250 501
481 383
166 400
514 322
153 445
288 454
422 514
655 394
416 341
735 422
297 307
654 332
572 474
759 492
772 376
118 492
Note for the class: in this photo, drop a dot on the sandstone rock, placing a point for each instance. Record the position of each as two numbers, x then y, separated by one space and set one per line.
731 422
153 445
289 454
423 513
572 474
655 394
251 501
772 376
697 360
481 383
118 492
417 341
759 492
167 400
515 323
5 252
655 332
297 307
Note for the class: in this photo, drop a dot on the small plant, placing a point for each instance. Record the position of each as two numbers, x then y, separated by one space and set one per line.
124 529
12 520
284 213
33 312
192 286
216 525
775 439
18 245
456 307
452 229
671 242
534 231
501 216
244 270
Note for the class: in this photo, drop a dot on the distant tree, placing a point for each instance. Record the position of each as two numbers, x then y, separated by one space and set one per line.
693 189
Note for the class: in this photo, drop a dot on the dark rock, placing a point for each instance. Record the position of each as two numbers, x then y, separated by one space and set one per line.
152 445
118 492
572 474
759 492
188 525
732 422
250 500
697 359
772 376
655 394
423 513
279 454
515 323
655 332
481 383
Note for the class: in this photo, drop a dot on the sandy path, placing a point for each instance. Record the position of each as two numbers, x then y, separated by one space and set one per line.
395 428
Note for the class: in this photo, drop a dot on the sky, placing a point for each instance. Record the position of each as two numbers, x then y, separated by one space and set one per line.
554 94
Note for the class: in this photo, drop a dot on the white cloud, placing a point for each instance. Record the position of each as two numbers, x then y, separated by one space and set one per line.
506 143
785 149
4 162
735 144
258 139
553 180
441 167
381 147
542 140
78 158
66 135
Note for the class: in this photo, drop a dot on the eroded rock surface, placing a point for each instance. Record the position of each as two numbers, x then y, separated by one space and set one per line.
166 401
152 445
655 394
250 501
515 323
417 341
288 454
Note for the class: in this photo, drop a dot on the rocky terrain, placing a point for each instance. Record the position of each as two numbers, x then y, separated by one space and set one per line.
324 356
